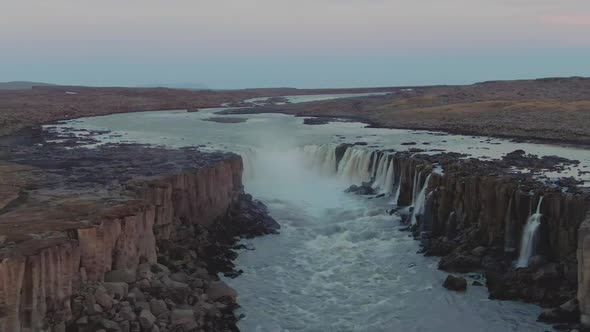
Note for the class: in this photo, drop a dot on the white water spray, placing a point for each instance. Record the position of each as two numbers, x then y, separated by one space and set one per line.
530 237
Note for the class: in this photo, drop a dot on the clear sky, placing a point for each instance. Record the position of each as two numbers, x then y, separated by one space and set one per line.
300 43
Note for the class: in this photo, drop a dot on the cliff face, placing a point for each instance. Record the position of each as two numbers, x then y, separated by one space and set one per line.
584 271
39 275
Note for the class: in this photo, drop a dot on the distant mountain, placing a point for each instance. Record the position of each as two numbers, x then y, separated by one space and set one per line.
21 85
189 86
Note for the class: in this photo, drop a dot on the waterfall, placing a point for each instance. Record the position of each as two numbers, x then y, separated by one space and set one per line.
381 172
389 179
417 178
355 165
248 158
398 190
420 202
530 237
320 158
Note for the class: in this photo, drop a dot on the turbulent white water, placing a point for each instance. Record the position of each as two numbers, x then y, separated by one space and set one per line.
530 235
341 263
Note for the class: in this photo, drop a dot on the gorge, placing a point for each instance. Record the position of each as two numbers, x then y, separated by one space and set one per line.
342 260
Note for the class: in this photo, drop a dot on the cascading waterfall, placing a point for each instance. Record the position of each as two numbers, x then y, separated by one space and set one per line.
389 179
530 237
381 172
355 165
320 158
420 202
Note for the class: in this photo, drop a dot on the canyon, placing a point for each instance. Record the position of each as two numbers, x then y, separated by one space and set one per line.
132 221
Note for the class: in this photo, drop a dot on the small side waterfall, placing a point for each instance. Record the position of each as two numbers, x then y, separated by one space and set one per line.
420 202
530 237
398 190
417 178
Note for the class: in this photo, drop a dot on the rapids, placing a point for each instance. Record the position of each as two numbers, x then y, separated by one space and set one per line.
340 263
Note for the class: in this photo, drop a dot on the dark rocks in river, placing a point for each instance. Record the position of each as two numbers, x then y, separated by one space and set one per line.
455 283
408 143
569 312
360 190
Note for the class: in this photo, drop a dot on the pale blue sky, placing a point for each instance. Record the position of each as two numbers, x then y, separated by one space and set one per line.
303 43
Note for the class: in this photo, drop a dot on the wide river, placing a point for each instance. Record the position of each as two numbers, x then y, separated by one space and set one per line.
340 263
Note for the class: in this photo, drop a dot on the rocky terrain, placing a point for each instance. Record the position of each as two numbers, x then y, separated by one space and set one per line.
42 104
474 215
552 109
119 238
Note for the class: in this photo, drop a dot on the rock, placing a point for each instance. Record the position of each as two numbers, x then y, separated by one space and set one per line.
146 319
455 283
183 318
127 313
121 275
110 326
569 312
118 290
137 294
219 289
476 283
160 269
479 251
360 190
179 276
546 272
158 307
459 262
144 271
142 305
536 262
103 298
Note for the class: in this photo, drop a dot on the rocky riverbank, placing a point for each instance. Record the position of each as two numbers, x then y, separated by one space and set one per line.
473 213
121 237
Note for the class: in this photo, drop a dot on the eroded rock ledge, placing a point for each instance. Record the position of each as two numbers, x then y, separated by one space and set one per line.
120 238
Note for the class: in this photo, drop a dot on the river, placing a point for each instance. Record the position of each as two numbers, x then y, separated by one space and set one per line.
340 262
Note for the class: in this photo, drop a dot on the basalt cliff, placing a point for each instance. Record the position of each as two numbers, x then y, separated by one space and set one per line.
475 215
120 238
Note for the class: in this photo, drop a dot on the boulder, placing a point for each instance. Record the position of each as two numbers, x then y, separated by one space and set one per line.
121 275
118 290
158 307
569 312
219 289
455 283
146 319
184 318
103 298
